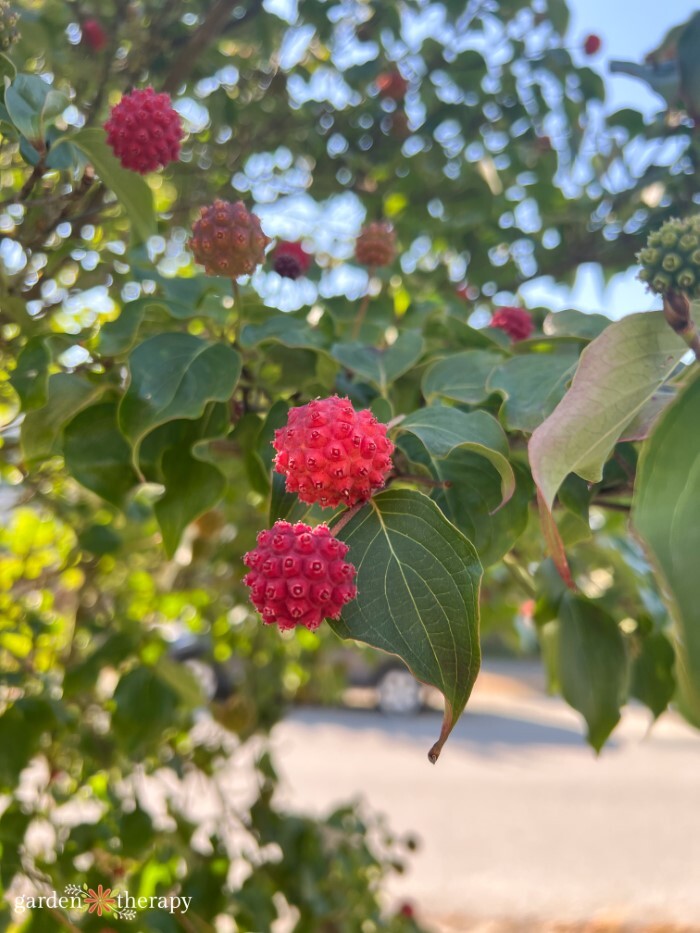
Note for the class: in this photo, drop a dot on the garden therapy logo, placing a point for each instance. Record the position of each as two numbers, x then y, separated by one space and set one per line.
103 902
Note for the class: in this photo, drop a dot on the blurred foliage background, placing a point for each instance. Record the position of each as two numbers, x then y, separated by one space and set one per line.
497 165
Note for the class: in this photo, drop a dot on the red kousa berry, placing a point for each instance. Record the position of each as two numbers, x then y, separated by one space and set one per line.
376 244
144 131
516 322
299 575
290 260
332 454
392 84
228 239
592 44
94 35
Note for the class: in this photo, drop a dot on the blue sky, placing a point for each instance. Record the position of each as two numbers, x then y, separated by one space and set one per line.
629 29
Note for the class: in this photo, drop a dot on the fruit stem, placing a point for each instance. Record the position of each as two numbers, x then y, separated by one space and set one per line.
362 310
677 313
346 516
237 308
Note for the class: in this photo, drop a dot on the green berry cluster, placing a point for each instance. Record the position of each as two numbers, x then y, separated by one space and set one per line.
8 26
671 259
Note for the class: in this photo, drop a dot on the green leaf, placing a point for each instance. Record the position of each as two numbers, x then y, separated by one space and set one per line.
33 105
653 682
532 386
472 502
592 665
192 488
175 376
666 512
286 330
570 323
176 455
7 68
30 379
418 586
461 377
98 455
442 429
131 189
380 367
617 375
145 706
118 336
67 395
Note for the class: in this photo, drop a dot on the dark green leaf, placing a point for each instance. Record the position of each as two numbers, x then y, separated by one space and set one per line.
131 189
443 429
175 376
30 379
380 367
139 692
98 455
532 386
461 377
653 682
592 665
67 395
418 586
666 512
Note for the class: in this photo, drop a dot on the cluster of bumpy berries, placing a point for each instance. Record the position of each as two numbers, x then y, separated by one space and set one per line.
330 454
145 132
516 322
671 259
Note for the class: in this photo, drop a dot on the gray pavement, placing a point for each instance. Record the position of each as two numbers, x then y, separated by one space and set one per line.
518 819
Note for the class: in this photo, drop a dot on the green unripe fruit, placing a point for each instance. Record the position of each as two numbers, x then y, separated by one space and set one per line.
649 256
672 262
686 279
8 26
661 283
671 259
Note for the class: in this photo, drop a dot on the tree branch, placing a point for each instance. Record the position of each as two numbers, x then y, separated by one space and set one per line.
214 25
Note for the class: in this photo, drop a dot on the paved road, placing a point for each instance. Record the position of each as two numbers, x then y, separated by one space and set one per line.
518 819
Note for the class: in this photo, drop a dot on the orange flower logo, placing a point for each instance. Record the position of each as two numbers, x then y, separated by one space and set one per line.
100 900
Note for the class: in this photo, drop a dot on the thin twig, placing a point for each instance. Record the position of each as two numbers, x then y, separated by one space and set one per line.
362 310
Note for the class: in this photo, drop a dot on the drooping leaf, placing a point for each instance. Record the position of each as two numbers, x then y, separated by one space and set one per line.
461 377
98 455
532 386
192 487
144 706
67 395
131 189
30 379
666 512
175 376
380 367
472 501
418 586
442 429
652 681
177 455
592 665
